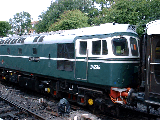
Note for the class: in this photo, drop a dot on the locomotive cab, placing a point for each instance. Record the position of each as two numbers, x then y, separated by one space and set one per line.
109 60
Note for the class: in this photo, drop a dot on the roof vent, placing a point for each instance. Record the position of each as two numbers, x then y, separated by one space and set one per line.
41 39
1 41
35 39
132 27
12 41
22 40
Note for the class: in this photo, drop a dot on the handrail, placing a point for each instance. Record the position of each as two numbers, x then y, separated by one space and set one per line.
148 69
86 67
154 63
75 64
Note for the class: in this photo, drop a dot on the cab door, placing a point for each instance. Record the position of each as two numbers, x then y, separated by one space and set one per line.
81 60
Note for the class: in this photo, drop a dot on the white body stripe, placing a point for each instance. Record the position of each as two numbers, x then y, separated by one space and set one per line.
82 60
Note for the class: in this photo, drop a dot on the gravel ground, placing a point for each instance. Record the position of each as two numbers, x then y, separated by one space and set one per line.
40 106
48 109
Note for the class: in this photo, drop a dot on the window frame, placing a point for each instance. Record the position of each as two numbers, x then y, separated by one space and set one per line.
128 46
80 48
77 47
98 49
101 50
65 51
89 47
137 46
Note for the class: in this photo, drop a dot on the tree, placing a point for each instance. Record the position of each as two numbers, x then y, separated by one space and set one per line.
21 22
104 3
136 12
98 10
92 14
70 20
56 8
4 27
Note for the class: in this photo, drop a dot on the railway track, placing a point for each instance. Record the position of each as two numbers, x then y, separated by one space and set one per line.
35 107
17 104
18 107
22 105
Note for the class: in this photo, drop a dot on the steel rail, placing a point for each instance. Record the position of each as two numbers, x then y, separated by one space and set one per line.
22 108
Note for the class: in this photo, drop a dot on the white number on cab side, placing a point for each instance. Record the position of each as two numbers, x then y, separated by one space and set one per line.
95 67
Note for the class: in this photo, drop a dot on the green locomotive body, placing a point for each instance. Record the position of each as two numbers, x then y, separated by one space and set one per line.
94 58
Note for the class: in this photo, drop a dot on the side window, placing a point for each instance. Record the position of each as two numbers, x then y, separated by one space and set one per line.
69 50
120 46
60 51
96 47
104 47
157 52
19 50
134 48
99 47
157 60
65 51
83 48
34 51
8 50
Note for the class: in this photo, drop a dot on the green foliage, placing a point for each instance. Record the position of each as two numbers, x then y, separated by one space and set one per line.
4 27
100 19
104 3
70 20
92 14
136 12
21 22
97 15
57 8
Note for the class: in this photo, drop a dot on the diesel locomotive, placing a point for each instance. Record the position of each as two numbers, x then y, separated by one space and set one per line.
94 66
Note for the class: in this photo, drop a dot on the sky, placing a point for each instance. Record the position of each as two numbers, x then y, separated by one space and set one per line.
8 8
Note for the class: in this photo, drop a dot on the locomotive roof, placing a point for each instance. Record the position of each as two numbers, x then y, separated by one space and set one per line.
153 27
68 36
